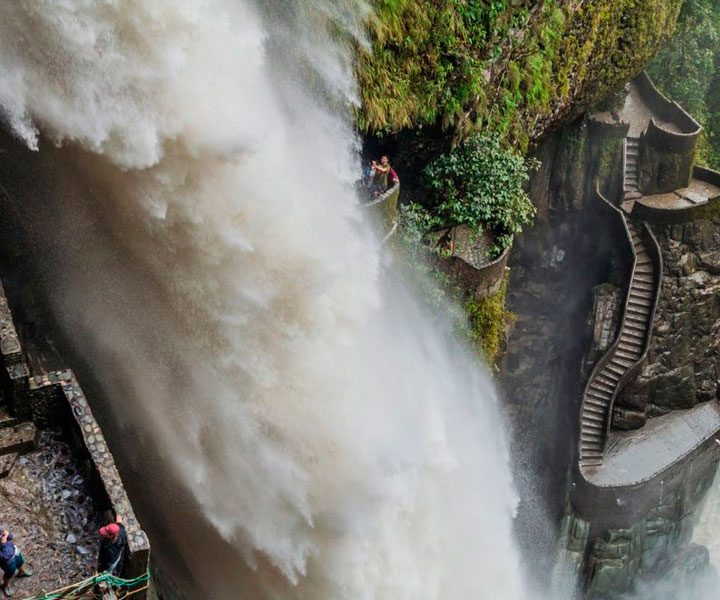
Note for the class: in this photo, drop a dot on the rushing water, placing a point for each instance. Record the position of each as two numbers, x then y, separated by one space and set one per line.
298 426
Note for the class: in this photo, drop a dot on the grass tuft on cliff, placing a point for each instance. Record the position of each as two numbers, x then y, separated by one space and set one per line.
514 67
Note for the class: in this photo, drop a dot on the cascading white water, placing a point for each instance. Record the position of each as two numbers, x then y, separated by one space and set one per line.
299 427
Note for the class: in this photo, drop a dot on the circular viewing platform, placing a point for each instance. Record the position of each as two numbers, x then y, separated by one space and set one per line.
685 204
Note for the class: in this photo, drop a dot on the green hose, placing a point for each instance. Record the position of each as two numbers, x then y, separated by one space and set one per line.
91 582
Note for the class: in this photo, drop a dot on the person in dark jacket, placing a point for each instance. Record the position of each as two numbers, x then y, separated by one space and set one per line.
11 561
112 547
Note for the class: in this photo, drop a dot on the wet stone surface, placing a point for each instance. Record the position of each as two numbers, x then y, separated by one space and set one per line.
45 503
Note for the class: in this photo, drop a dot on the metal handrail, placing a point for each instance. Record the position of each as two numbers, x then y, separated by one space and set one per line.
609 355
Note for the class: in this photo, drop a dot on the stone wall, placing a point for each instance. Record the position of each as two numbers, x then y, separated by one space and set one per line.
384 209
14 372
607 551
667 152
464 257
668 216
683 364
573 247
56 400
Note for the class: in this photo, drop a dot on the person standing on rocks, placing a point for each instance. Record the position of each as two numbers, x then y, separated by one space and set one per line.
11 561
112 547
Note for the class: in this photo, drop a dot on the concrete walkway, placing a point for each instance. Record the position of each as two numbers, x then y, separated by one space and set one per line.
698 192
635 456
638 114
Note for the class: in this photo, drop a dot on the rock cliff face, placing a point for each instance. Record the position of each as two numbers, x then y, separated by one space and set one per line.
554 268
624 559
683 366
436 70
567 287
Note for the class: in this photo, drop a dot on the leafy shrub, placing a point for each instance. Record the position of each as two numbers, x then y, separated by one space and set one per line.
687 69
482 184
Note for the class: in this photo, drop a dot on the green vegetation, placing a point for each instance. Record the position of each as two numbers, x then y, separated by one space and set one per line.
483 322
488 320
688 71
511 69
511 66
481 184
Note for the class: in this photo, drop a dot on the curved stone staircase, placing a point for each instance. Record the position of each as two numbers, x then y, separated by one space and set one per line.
631 171
630 347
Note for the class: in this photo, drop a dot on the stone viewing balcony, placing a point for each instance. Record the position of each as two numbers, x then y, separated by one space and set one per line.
699 199
57 475
465 256
384 210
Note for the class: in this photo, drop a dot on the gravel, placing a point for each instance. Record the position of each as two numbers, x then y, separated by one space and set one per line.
45 502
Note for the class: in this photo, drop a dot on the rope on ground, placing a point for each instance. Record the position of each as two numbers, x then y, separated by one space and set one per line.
71 592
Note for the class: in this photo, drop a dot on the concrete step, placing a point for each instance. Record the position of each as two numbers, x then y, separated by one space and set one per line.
599 386
641 295
639 305
593 418
595 411
630 341
600 402
19 438
644 287
641 300
616 368
636 330
633 318
630 345
607 378
643 279
619 361
631 355
597 403
635 307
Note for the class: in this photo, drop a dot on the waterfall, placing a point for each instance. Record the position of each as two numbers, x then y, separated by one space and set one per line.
295 424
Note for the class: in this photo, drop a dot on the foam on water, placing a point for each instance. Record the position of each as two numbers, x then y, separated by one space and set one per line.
300 427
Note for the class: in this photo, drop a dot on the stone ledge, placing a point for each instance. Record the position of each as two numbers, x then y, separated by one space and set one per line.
64 384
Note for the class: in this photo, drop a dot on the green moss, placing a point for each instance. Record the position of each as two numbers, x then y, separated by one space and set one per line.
488 320
483 322
508 66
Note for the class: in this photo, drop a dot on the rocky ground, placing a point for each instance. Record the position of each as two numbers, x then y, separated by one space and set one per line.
44 502
683 366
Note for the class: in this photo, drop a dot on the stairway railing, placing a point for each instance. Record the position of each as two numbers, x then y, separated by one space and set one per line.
656 257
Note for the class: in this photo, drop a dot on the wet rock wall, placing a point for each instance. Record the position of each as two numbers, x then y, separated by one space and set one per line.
573 247
683 365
